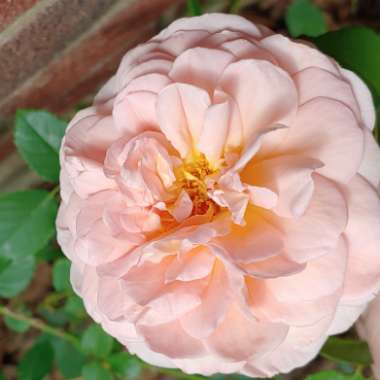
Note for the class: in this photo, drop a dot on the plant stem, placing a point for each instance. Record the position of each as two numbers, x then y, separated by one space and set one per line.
40 325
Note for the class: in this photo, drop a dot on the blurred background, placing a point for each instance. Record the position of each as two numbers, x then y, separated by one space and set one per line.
54 55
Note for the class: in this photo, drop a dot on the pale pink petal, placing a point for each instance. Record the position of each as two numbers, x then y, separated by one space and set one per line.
180 110
369 329
202 321
296 56
329 139
363 97
239 337
363 236
171 340
194 265
183 207
370 165
262 197
214 132
345 317
200 67
290 177
211 22
317 231
255 241
314 82
251 82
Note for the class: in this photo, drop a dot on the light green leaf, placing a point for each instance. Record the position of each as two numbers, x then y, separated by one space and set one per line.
326 375
348 350
16 277
304 18
74 307
37 362
96 342
27 222
357 49
125 365
94 371
61 275
69 359
16 324
38 137
194 8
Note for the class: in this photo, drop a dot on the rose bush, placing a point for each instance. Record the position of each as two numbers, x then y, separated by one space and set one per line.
219 200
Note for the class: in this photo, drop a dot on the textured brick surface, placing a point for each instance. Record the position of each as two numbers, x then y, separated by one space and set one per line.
64 49
11 9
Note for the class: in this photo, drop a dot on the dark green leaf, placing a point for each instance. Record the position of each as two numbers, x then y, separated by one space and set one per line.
16 277
74 307
16 324
304 18
124 365
38 136
37 362
326 375
27 222
4 263
348 350
61 275
94 371
1 376
69 360
49 253
96 342
194 8
56 317
357 49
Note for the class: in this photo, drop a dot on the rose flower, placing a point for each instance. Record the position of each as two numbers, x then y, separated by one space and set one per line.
219 202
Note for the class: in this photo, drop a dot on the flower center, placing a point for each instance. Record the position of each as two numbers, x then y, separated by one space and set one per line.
191 177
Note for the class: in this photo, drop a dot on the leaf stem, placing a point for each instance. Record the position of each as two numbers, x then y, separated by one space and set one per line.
40 325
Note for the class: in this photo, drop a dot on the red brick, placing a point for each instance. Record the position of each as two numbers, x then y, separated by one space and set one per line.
11 9
84 65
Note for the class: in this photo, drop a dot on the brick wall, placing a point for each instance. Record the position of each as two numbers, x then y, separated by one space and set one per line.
54 53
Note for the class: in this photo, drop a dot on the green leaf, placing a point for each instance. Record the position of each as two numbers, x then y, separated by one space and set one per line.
94 371
27 222
49 253
348 350
37 362
16 277
56 317
69 359
125 365
16 324
326 375
1 376
38 137
74 307
4 263
96 342
194 8
356 49
304 18
61 275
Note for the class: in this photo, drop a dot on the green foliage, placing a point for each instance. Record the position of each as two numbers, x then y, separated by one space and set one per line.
37 362
74 307
334 375
16 277
69 359
125 365
96 342
61 275
347 350
194 8
16 324
38 137
27 222
95 371
304 18
357 49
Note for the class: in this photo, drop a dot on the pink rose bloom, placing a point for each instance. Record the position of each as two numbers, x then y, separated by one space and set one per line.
369 329
219 200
